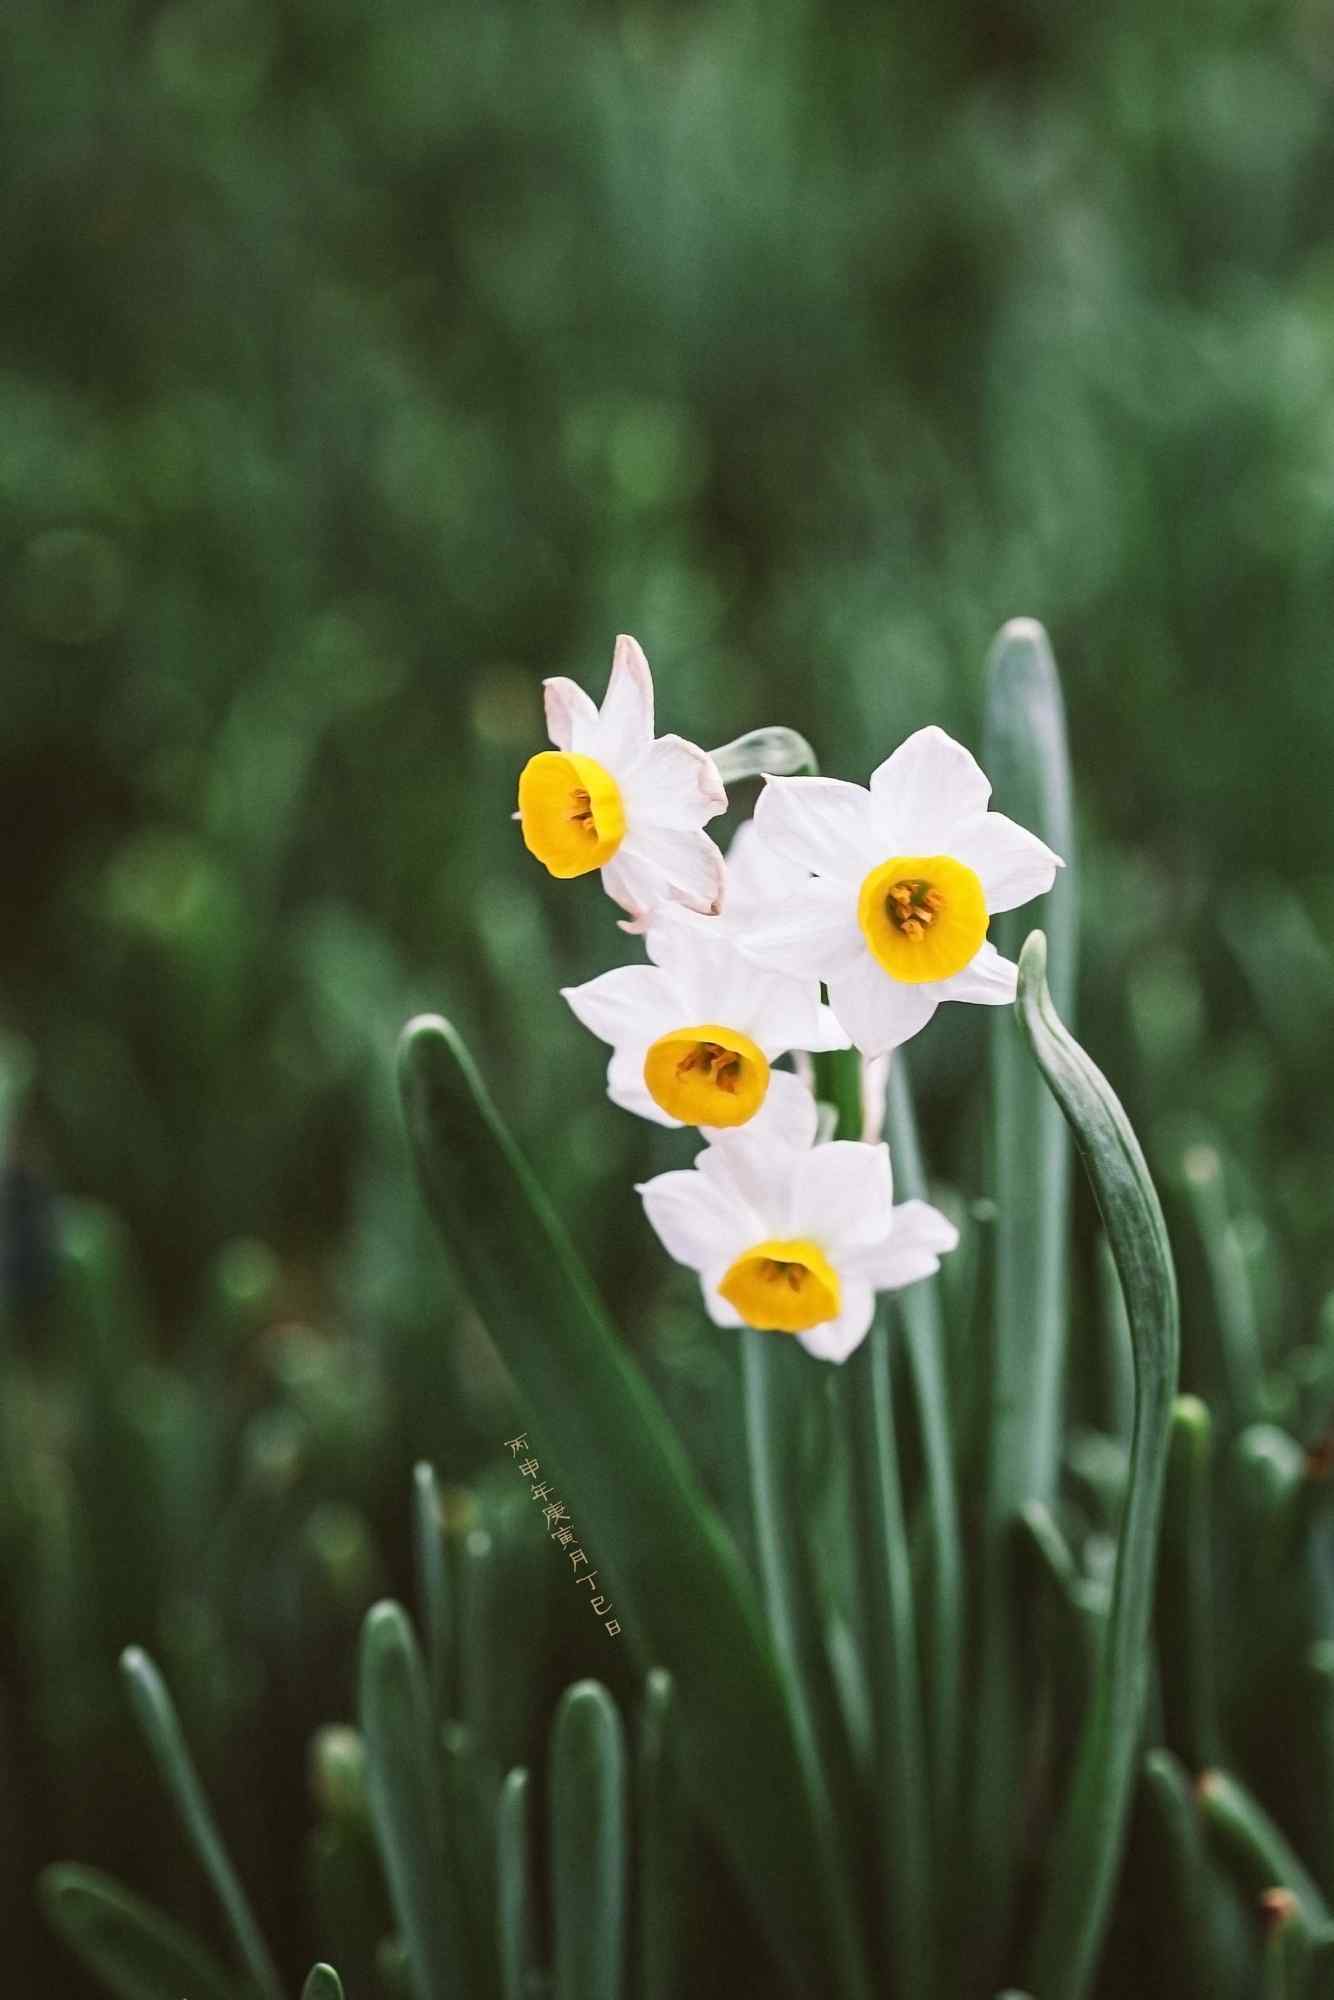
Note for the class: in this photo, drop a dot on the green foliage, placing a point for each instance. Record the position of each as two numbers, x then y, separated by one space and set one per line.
358 365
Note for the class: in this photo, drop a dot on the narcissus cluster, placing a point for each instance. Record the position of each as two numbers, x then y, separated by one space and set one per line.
879 898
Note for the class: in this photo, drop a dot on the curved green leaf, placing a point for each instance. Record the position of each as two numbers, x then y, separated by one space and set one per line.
405 1792
156 1715
589 1845
135 1950
668 1564
1086 1848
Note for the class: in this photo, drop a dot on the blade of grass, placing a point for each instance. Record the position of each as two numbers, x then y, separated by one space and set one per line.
589 1845
1090 1834
1239 1351
405 1794
1287 1954
156 1715
1024 752
130 1946
674 1573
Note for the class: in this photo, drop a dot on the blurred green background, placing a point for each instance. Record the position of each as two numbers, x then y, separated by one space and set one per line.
361 362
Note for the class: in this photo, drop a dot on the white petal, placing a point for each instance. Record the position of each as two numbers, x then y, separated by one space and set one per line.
756 874
625 721
988 979
812 934
697 1221
819 823
836 1339
751 1175
626 1087
1012 864
658 864
631 1003
919 1236
571 714
925 789
880 1013
829 1033
676 784
842 1195
787 1116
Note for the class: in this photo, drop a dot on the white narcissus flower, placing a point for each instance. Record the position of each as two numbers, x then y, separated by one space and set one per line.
795 1237
903 881
693 1034
613 796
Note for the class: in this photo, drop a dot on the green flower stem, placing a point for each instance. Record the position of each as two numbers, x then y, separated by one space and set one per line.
1087 1843
902 1796
1184 1613
130 1946
156 1715
516 1898
776 1378
405 1794
1024 752
1260 1853
433 1592
919 1313
589 1845
666 1560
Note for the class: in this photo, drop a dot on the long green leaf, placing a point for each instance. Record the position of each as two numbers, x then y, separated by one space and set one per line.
1185 1591
322 1983
662 1833
1262 1855
428 1541
133 1948
405 1792
156 1715
589 1845
516 1898
1086 1848
668 1565
1024 752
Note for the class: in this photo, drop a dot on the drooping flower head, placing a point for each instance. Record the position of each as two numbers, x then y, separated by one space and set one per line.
613 796
694 1033
796 1238
903 880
